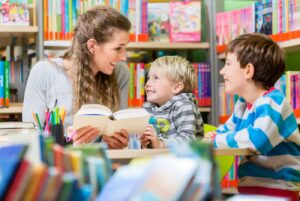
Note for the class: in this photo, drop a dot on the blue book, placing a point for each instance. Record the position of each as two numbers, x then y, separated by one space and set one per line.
11 157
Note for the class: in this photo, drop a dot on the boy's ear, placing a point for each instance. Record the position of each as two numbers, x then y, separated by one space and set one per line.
177 88
249 71
91 45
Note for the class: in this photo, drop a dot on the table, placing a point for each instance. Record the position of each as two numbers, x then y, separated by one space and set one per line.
123 156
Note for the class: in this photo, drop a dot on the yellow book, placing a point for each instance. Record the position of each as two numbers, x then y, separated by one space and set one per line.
134 120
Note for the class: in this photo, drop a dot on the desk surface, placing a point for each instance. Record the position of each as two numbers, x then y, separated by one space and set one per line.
124 154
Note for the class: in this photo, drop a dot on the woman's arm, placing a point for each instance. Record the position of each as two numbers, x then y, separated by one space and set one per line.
35 94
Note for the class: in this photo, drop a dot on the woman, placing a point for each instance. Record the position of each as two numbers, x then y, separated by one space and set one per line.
89 72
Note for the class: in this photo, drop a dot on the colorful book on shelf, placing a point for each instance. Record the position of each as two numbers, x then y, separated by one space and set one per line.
263 17
6 83
2 80
185 21
11 157
133 120
158 21
14 13
293 89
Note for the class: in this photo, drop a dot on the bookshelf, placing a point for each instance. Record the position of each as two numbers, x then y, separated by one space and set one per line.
289 46
60 45
14 108
24 36
63 44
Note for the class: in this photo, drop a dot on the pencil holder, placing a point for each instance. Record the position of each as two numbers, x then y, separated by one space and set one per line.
58 132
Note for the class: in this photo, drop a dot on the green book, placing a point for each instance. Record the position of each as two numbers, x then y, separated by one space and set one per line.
6 83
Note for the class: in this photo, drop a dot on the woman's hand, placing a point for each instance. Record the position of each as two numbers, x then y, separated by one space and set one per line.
83 135
118 140
150 139
209 137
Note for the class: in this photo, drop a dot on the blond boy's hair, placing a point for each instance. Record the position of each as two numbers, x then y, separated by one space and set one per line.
177 69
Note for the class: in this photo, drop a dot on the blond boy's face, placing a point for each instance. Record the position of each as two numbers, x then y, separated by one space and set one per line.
233 75
159 89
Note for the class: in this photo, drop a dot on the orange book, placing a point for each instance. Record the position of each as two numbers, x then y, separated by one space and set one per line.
38 178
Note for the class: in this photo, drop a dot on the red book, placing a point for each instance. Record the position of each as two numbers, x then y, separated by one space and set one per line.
19 182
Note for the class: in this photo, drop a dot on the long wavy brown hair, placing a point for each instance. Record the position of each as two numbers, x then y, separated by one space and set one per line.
98 23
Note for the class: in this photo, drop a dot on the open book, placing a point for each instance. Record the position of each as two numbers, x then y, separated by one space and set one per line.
133 120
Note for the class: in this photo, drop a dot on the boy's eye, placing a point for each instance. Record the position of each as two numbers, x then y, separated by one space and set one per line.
156 77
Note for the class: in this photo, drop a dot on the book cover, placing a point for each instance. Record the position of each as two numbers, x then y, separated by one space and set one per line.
158 21
263 17
185 21
11 157
133 120
14 13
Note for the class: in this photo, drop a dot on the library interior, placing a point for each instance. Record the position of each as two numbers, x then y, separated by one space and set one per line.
75 125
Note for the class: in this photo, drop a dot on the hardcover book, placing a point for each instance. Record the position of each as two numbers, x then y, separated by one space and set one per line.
133 120
158 21
14 12
185 20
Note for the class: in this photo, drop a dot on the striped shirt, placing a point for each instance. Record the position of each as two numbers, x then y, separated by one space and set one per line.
268 127
179 120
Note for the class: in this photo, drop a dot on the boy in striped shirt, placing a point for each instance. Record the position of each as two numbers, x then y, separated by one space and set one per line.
262 120
170 101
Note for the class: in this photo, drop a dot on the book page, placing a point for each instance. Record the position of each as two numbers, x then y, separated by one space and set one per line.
98 121
129 113
94 109
134 125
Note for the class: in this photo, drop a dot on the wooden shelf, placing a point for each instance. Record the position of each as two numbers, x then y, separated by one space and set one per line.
6 31
138 45
289 46
14 108
20 29
165 45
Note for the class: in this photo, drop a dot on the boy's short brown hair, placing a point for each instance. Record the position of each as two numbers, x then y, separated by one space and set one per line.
263 53
177 69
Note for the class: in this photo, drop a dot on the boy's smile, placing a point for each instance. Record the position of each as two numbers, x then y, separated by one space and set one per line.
233 75
159 89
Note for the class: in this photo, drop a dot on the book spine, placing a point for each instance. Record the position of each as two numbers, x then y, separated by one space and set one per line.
6 84
2 84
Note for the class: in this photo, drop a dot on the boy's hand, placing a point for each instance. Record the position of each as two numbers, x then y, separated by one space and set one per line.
209 137
149 137
118 140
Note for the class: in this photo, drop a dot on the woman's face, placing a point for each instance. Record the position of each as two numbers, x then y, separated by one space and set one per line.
108 54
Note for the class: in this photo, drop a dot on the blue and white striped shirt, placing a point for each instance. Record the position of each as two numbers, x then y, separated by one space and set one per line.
269 127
